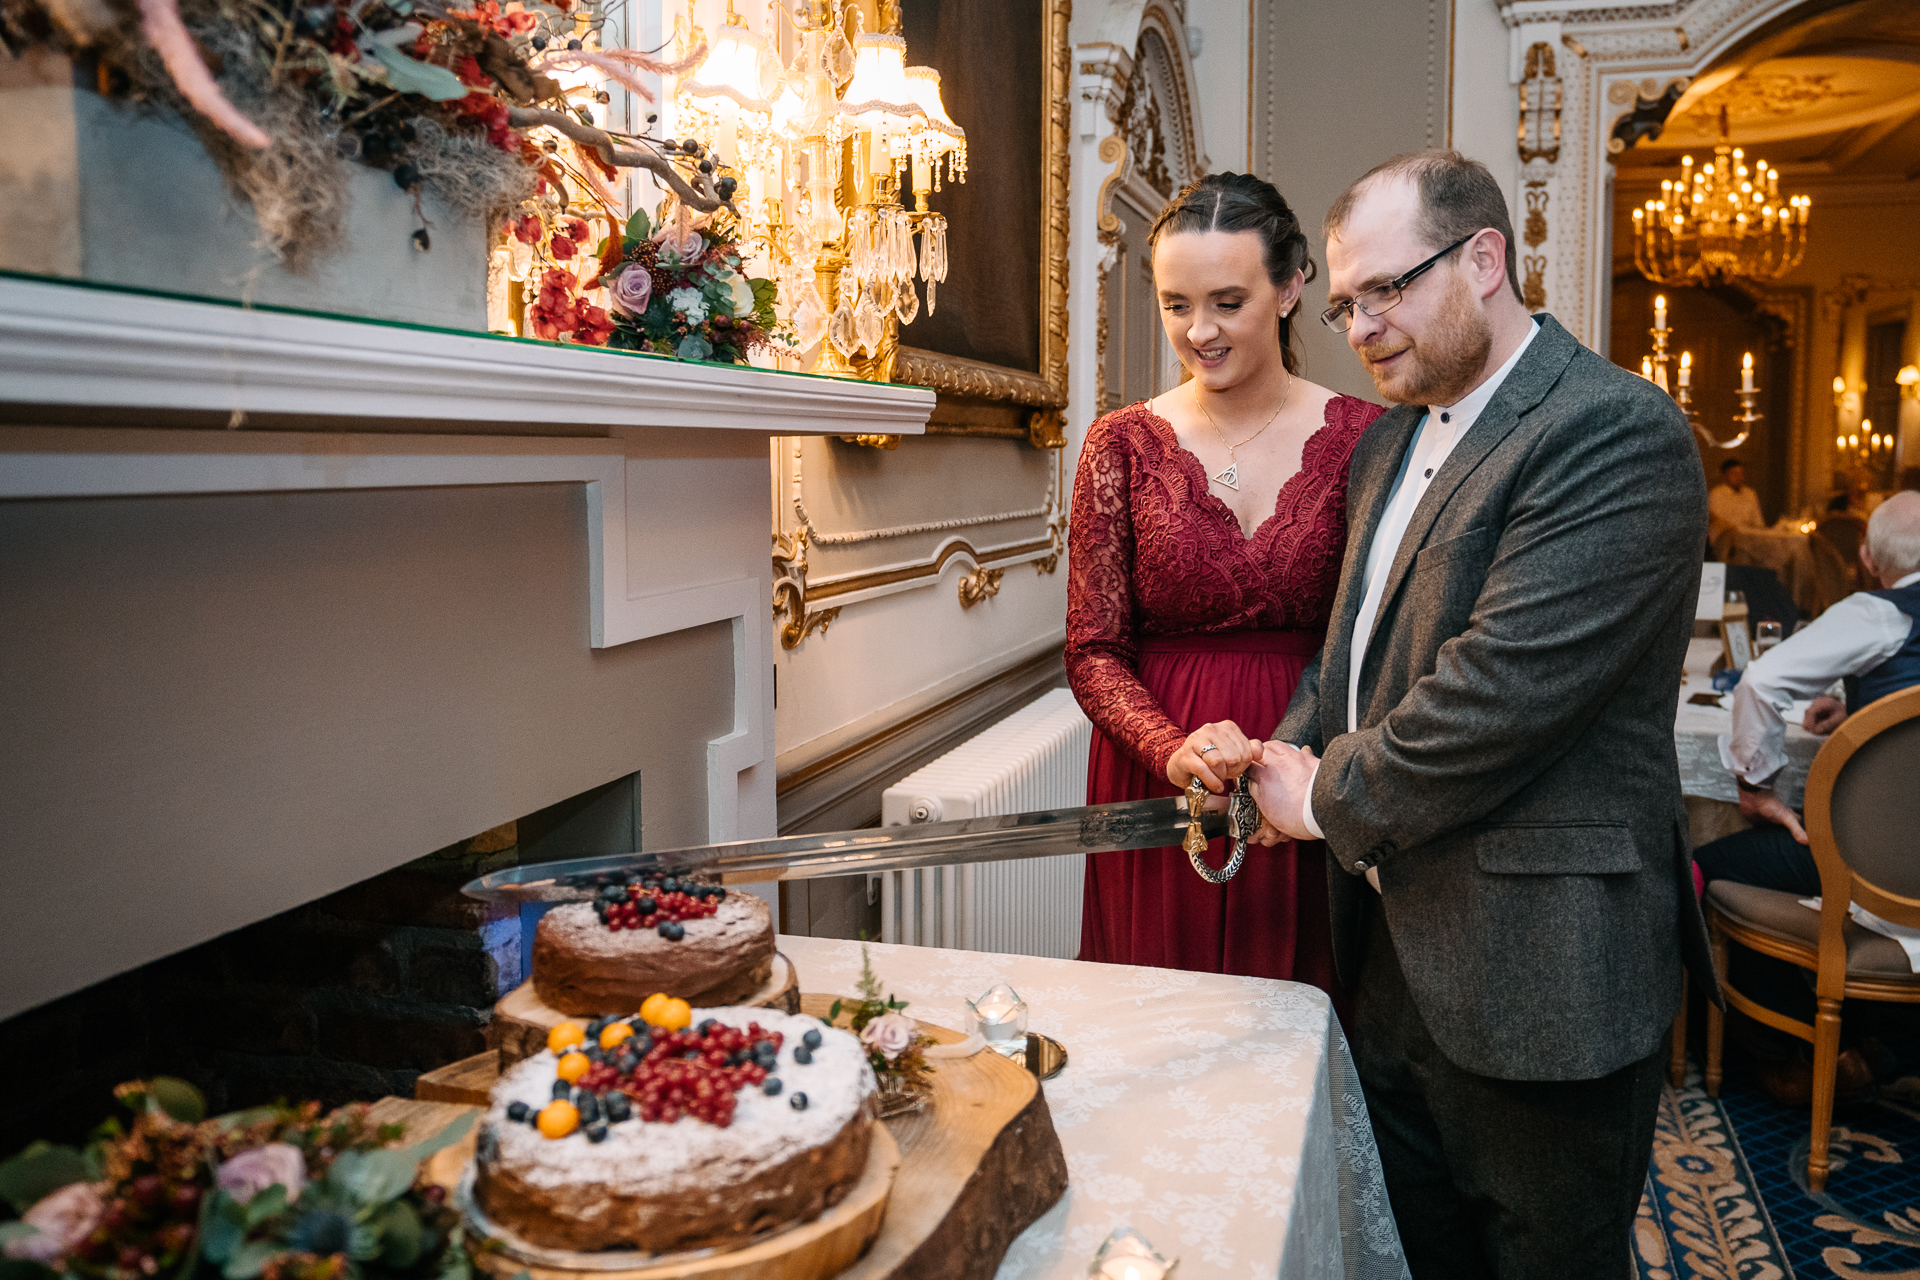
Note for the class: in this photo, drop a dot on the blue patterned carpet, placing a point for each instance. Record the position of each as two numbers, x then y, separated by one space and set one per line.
1726 1194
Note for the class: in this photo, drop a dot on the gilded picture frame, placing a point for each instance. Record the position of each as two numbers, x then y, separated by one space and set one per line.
981 399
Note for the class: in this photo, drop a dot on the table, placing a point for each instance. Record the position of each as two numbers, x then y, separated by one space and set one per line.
1220 1116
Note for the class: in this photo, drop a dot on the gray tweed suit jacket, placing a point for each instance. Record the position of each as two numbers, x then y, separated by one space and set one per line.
1512 774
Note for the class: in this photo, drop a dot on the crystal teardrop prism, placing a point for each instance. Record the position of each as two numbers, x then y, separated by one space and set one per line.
809 317
868 326
907 305
881 291
840 332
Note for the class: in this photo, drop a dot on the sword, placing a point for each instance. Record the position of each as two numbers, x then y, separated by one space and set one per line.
1133 824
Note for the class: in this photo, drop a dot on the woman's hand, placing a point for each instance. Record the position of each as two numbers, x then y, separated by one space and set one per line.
1214 753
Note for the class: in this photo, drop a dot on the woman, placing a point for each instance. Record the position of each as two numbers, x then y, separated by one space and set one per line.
1208 527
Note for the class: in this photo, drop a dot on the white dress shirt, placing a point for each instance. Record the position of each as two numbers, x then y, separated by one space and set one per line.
1849 639
1433 440
1740 509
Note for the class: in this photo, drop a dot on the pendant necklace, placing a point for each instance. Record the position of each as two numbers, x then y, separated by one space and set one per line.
1231 476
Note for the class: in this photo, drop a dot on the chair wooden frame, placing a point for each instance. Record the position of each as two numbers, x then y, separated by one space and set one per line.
1839 885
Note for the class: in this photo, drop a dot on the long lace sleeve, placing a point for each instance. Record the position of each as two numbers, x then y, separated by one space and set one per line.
1100 651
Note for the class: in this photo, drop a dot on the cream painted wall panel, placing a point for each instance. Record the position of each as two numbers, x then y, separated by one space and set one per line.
1484 104
1220 74
884 651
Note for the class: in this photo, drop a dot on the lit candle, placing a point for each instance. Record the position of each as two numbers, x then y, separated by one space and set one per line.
1746 372
1131 1269
1646 367
1660 311
1128 1255
1686 368
1839 386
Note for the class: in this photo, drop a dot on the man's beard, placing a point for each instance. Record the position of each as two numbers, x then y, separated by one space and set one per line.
1441 370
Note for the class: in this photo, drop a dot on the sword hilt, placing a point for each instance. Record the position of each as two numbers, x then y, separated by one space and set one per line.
1243 819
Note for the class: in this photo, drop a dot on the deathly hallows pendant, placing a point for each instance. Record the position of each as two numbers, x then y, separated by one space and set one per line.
1230 477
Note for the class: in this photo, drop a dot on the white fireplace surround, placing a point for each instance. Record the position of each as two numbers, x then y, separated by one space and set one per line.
72 347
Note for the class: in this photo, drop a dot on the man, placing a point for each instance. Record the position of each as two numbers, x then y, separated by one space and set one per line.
1730 504
1871 640
1494 712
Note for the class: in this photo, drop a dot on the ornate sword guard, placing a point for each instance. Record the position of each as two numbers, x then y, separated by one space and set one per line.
1243 819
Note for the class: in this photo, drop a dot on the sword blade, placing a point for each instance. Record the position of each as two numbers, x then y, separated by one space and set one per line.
1133 824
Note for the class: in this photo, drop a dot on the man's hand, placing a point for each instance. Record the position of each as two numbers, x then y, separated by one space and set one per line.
1764 806
1824 716
1280 783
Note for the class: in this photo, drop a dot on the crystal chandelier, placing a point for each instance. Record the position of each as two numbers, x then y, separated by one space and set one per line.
846 128
1722 223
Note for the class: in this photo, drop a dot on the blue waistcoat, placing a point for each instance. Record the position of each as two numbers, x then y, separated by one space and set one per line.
1902 670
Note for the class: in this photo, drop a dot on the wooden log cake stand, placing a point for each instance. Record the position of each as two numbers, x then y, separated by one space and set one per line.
977 1166
521 1019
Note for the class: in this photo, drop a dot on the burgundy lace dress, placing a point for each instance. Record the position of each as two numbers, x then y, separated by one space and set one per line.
1176 619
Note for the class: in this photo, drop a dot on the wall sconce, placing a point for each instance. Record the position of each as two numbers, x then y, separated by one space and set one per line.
1909 380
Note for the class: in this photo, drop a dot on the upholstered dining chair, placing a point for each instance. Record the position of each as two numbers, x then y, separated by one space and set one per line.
1862 809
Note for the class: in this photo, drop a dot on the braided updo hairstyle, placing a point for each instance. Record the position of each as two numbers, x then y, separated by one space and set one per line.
1242 202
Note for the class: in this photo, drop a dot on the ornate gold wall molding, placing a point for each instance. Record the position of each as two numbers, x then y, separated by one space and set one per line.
790 592
978 585
1113 151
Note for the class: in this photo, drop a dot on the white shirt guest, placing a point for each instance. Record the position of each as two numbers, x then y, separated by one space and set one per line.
1731 502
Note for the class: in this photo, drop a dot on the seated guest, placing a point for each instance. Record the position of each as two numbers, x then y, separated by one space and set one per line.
1731 504
1871 640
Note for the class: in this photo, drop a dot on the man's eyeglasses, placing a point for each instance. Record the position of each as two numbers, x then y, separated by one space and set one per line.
1382 297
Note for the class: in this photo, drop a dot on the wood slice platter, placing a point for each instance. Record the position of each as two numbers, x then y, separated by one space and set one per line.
521 1019
976 1167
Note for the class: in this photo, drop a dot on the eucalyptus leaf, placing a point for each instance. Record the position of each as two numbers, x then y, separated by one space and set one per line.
440 1141
38 1172
363 1242
401 1236
833 1013
371 1177
10 1232
269 1202
176 1098
409 75
223 1225
693 347
250 1259
639 226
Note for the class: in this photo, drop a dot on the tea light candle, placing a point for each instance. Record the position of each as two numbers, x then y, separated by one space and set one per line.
1746 372
1660 311
1128 1255
1686 368
1000 1014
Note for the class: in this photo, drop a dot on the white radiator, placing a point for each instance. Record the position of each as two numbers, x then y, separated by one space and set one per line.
1034 759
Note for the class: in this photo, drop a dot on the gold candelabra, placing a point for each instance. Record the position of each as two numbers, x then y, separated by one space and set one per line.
1654 369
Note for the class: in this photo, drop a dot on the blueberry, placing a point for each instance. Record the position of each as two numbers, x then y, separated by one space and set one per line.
619 1107
679 931
802 1054
597 1131
765 1052
706 1027
405 176
625 1062
596 1054
562 1090
798 1102
517 1112
665 930
614 892
718 893
646 906
772 1087
737 1057
811 1039
595 1027
589 1107
539 42
573 44
670 885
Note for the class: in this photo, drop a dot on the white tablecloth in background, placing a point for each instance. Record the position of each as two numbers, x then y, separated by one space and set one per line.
1696 739
1219 1116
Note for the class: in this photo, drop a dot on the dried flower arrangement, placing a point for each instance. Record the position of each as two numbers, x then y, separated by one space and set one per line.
285 94
896 1047
279 1192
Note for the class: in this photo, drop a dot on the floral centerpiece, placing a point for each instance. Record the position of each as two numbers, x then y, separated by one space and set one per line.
280 1192
896 1047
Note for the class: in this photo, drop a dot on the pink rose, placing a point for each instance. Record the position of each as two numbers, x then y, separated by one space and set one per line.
632 290
251 1172
63 1220
891 1033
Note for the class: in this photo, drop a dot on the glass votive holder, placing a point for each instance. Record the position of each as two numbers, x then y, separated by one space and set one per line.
999 1016
1128 1255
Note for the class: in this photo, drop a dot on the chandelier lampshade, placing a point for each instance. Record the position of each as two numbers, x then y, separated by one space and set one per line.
740 67
878 98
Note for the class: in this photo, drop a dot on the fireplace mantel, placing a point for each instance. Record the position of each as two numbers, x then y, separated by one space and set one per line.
79 346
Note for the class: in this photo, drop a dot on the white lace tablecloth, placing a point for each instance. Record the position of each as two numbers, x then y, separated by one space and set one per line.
1219 1116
